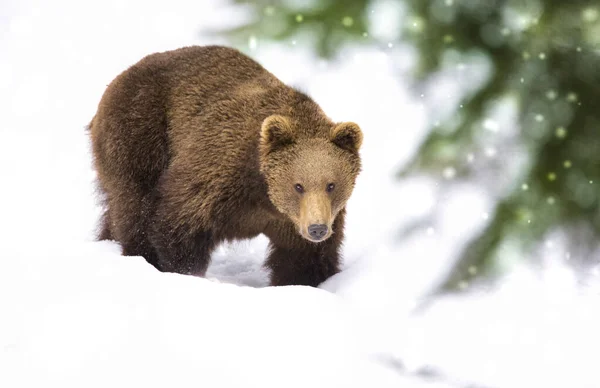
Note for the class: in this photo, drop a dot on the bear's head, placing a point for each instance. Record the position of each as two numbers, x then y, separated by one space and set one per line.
309 177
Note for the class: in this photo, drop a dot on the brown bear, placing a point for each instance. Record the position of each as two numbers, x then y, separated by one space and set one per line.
201 145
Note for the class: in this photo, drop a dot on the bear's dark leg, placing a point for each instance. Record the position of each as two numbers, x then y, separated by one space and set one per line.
175 232
309 266
296 261
182 251
127 220
105 233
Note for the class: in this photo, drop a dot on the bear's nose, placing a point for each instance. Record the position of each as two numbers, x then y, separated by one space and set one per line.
317 231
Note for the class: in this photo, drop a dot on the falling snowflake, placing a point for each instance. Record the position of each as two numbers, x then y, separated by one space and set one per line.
418 24
490 125
252 42
490 152
449 172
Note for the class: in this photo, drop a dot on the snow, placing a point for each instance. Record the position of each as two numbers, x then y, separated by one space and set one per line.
110 321
75 313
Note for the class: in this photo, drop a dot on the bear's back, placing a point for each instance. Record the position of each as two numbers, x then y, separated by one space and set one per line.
208 73
218 98
215 87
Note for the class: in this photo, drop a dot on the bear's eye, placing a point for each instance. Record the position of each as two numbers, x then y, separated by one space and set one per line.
299 188
330 187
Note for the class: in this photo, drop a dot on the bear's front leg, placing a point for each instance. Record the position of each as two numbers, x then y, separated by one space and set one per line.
184 252
310 266
294 260
181 243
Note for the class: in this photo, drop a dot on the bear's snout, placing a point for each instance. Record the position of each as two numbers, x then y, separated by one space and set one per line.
317 231
316 217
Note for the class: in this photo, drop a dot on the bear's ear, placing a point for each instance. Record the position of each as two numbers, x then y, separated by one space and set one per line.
347 136
276 132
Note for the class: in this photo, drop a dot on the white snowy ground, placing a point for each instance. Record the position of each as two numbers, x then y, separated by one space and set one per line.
74 313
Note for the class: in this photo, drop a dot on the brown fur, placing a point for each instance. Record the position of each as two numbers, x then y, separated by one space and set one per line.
200 145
